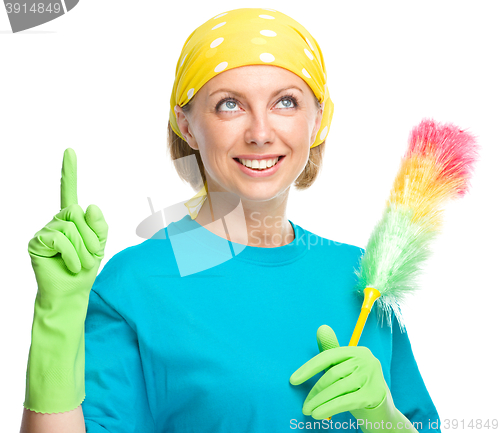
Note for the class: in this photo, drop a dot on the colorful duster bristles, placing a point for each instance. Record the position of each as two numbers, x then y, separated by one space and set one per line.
437 167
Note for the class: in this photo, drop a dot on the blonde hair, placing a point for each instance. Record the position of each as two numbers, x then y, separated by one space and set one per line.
178 148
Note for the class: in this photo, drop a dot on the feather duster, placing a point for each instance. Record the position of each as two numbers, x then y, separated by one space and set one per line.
436 167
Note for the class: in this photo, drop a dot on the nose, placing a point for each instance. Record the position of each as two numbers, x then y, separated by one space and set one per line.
260 130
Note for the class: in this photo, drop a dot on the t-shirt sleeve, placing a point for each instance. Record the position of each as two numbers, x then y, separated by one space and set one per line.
115 392
408 389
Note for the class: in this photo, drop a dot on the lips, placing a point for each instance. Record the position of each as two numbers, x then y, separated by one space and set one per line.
260 173
241 161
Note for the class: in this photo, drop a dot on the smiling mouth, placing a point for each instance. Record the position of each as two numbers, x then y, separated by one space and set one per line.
258 168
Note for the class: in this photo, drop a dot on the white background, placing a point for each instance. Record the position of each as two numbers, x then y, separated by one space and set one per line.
99 80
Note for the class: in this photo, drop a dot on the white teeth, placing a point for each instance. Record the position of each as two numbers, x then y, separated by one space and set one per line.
259 164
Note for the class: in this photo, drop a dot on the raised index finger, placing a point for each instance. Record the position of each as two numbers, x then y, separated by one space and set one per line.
68 179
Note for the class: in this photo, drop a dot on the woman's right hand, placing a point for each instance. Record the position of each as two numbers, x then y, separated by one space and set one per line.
67 252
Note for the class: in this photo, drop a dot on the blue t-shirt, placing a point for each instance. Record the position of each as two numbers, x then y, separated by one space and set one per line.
189 332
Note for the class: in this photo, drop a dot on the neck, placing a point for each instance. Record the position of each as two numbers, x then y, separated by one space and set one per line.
254 223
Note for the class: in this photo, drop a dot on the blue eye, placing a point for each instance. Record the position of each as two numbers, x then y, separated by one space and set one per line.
290 99
227 103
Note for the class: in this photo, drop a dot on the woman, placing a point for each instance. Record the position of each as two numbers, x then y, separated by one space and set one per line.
210 324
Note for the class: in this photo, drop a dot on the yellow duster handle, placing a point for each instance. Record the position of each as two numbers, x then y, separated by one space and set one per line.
371 295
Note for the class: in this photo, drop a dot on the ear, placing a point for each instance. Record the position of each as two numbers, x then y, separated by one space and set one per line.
184 127
317 124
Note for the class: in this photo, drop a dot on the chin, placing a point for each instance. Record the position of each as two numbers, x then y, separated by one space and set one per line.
263 192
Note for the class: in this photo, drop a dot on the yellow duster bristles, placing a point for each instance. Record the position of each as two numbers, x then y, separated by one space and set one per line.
417 187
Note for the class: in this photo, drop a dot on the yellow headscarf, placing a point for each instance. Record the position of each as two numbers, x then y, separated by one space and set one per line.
242 37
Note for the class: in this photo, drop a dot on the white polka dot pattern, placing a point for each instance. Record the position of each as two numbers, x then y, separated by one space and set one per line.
218 25
217 42
269 33
309 43
267 57
221 66
323 133
308 53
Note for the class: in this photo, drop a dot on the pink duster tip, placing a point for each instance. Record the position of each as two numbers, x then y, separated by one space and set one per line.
454 148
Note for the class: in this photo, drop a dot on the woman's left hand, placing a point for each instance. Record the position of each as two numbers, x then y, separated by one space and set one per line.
354 380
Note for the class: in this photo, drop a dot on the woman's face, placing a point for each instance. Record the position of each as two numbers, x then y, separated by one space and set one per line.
252 112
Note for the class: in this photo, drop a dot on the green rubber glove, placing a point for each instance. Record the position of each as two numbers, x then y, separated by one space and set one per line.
353 381
65 255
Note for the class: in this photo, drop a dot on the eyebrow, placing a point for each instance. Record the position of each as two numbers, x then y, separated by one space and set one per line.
240 95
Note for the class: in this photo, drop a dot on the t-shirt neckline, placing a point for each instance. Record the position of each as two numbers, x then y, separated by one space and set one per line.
270 256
